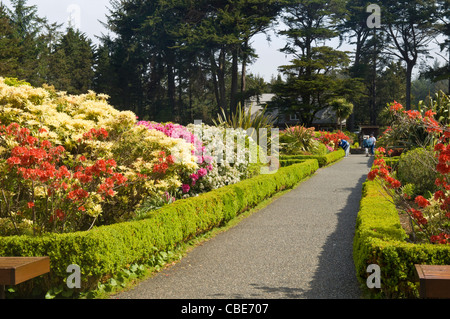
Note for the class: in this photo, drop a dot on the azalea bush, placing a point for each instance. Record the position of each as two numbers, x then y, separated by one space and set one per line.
331 139
430 215
216 160
232 154
409 129
69 162
43 187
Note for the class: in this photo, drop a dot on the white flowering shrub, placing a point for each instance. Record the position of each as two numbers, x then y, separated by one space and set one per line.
230 156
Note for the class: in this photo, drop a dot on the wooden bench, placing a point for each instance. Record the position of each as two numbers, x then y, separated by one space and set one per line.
15 270
434 281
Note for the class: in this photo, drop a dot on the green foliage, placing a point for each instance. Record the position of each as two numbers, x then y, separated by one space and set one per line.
404 133
245 119
15 82
297 140
193 50
323 160
38 52
72 63
439 104
342 108
411 26
417 167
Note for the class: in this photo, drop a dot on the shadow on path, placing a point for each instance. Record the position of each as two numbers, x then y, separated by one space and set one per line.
332 274
298 247
335 276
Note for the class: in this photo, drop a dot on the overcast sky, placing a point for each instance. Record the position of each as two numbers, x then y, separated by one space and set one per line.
85 14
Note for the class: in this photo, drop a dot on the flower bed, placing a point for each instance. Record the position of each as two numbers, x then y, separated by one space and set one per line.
103 251
380 236
381 240
69 163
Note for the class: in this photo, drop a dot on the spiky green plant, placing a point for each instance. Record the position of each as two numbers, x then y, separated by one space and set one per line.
440 104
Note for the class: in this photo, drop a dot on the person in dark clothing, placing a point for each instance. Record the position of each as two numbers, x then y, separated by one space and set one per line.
345 146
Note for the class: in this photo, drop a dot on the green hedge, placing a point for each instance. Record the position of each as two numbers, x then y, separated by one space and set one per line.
392 161
288 162
323 160
380 239
106 250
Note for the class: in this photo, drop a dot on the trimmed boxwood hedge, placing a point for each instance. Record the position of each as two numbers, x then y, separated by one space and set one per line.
323 160
105 250
380 239
288 162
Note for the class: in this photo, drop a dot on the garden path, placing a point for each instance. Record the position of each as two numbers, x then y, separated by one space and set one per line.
299 246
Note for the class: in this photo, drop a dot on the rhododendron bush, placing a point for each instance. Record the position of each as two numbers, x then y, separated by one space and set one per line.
40 190
430 215
70 163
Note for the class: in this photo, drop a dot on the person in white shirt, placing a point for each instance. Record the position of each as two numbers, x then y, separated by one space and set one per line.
372 142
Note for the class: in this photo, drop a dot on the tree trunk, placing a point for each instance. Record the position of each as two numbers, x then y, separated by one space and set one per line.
244 73
234 80
221 81
373 104
214 75
409 68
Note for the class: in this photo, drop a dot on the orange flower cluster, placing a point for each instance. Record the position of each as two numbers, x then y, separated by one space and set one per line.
38 161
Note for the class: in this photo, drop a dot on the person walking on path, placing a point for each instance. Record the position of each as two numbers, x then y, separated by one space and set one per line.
372 142
345 146
366 145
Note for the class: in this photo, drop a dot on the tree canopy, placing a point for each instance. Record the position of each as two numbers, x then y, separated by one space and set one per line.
182 60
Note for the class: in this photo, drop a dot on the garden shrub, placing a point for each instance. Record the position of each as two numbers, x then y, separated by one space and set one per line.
417 167
297 140
105 250
288 162
323 160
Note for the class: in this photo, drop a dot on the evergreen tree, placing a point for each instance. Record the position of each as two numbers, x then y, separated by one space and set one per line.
314 76
28 27
72 67
438 73
9 46
163 49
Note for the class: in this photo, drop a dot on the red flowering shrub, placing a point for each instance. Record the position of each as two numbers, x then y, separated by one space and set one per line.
332 139
38 186
431 216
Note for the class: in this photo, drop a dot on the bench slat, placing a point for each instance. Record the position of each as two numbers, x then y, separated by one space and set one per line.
434 280
15 270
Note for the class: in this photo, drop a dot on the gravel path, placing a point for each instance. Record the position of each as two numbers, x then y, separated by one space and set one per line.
299 246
